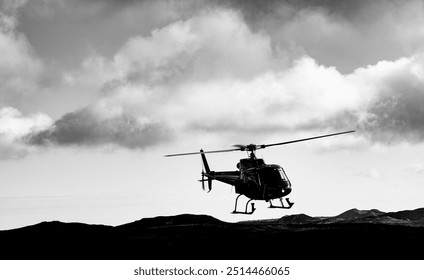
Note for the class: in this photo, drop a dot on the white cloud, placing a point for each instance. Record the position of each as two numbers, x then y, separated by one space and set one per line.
214 44
212 72
396 114
152 77
284 99
14 127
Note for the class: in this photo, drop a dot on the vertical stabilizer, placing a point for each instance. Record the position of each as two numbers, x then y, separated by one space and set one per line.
205 162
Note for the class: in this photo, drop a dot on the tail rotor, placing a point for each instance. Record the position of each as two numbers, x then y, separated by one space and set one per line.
203 178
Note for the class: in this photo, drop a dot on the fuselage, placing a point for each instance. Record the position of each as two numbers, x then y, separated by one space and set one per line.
254 179
264 182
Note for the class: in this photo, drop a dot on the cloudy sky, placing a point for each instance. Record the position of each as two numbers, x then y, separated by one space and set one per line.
94 93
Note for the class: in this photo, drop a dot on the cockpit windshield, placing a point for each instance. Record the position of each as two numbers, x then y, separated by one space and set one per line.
282 174
272 174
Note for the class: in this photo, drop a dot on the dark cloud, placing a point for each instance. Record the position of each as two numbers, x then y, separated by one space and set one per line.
255 10
85 128
399 114
393 119
345 34
395 113
64 32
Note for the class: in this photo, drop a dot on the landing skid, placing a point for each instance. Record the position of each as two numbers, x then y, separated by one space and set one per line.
289 204
245 210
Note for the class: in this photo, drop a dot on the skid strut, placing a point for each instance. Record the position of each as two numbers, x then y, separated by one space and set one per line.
245 210
289 204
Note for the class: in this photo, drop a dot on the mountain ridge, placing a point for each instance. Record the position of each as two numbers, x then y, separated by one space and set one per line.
406 217
414 217
353 234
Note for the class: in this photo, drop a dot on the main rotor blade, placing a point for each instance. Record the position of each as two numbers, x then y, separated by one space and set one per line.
304 139
246 147
206 152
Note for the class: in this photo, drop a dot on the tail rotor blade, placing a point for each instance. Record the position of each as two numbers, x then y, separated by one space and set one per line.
209 184
203 178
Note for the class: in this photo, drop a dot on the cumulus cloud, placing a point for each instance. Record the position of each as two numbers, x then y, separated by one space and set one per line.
219 71
154 76
381 101
396 114
214 73
344 34
213 47
214 44
14 127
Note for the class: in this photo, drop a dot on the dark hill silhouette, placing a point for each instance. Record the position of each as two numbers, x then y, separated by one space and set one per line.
169 221
412 215
355 213
354 234
297 219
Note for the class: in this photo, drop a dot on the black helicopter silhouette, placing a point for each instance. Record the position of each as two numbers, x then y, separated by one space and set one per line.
253 179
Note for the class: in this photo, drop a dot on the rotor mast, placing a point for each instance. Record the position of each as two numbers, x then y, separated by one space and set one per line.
251 150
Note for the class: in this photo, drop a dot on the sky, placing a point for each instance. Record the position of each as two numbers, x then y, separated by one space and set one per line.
94 93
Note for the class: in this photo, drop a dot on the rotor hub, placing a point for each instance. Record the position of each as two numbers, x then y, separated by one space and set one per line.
251 147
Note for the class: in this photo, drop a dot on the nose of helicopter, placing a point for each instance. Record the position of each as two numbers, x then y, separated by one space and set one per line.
285 187
286 192
280 189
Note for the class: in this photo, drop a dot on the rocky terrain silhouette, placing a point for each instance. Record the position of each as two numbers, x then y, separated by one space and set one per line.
354 234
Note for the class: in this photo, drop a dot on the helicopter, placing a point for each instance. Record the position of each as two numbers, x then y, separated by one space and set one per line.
254 179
